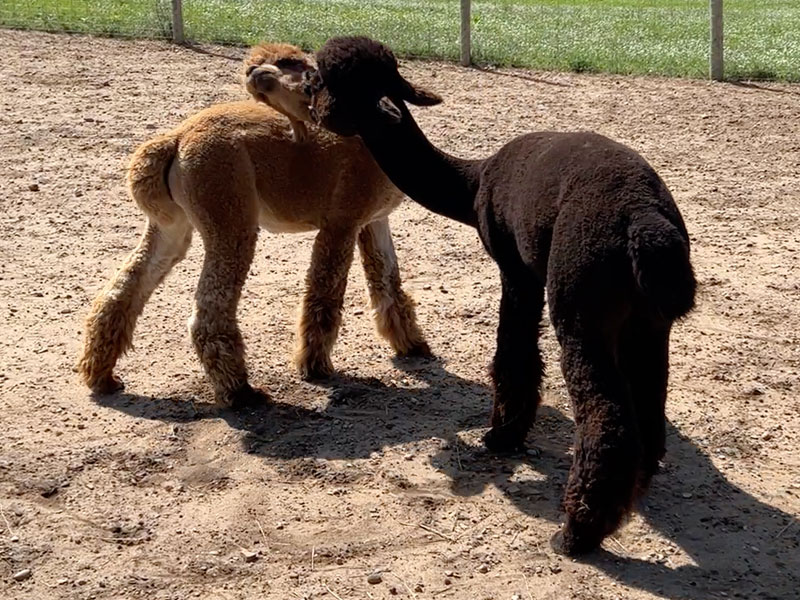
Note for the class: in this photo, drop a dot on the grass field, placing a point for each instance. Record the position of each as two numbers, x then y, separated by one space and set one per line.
668 37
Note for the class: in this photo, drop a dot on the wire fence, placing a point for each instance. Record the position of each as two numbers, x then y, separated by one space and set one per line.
668 37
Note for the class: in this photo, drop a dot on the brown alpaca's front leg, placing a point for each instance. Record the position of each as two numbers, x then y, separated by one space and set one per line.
213 326
517 368
111 321
321 310
395 317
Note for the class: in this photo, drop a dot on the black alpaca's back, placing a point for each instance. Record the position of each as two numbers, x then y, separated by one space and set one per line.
632 234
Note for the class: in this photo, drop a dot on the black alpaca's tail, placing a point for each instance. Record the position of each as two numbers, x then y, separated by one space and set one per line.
659 253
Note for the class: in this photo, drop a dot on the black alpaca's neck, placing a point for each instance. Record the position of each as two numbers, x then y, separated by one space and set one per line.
444 184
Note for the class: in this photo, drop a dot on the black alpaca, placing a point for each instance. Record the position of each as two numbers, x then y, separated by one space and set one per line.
576 214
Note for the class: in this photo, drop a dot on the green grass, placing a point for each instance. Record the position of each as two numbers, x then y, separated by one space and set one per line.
667 37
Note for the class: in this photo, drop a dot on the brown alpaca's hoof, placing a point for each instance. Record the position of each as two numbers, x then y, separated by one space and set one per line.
106 385
504 440
245 396
315 369
566 543
416 350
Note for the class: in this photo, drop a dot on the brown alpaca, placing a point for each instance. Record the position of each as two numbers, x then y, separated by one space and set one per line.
225 172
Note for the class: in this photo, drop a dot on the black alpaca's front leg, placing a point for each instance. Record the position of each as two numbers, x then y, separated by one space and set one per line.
517 368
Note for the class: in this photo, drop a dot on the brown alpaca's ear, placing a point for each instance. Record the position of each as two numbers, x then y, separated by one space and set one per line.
417 95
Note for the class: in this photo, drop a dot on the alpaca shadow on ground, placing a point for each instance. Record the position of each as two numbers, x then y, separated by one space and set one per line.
723 539
364 415
728 541
360 415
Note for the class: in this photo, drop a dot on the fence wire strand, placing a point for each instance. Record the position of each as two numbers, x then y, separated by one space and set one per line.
667 37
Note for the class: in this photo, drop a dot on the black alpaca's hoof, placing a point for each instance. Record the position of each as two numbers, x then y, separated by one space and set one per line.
565 543
504 441
558 544
245 396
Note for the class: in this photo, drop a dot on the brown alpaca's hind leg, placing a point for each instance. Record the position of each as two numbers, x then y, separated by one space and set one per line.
111 321
321 310
393 309
602 480
644 361
517 368
213 327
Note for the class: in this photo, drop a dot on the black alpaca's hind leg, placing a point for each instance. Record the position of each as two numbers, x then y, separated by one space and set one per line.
644 361
607 449
517 368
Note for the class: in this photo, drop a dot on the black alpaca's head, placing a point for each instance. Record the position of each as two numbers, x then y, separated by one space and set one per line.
357 83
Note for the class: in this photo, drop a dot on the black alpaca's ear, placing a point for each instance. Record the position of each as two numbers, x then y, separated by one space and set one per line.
389 111
417 95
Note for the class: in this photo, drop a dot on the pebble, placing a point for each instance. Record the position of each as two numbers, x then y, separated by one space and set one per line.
687 495
22 575
374 578
34 187
249 556
484 568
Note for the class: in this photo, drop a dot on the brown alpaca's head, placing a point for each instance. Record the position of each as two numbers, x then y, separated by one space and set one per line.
274 75
357 85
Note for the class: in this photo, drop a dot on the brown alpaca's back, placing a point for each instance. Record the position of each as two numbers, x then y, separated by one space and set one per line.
294 184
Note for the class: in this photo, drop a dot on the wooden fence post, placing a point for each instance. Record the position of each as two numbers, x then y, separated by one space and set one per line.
177 22
466 34
717 63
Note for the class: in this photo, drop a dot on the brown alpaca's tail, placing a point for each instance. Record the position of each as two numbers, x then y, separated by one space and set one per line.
659 252
147 179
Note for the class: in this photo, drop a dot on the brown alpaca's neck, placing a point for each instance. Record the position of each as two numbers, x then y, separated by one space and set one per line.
442 183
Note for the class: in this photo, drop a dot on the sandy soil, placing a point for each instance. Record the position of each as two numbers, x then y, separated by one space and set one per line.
155 493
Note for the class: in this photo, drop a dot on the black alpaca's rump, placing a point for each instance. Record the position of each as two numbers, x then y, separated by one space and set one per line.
576 214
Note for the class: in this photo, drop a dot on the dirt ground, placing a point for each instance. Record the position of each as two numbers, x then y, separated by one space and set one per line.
155 493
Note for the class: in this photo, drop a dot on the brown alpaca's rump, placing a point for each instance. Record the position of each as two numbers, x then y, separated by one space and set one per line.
575 214
225 172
